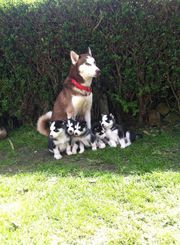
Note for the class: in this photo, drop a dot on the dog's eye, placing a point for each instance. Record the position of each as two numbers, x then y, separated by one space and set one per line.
56 130
87 64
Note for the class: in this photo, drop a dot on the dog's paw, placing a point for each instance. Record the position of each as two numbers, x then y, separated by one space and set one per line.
74 152
57 157
81 151
125 145
112 144
102 146
69 153
94 148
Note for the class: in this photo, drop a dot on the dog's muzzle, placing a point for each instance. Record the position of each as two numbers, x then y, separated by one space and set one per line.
98 72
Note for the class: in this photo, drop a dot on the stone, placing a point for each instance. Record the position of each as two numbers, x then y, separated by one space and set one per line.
154 118
3 133
162 109
172 118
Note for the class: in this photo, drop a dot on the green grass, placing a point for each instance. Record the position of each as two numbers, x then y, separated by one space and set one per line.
110 196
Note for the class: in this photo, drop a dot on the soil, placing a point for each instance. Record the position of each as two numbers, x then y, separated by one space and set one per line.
26 159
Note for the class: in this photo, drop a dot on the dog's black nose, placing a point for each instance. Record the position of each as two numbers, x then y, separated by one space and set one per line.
70 131
98 72
75 134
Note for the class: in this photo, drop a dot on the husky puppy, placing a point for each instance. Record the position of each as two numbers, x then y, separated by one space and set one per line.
82 136
100 134
59 140
116 133
75 99
70 126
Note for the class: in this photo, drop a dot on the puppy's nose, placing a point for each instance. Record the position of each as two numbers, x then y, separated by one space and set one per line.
70 131
75 134
50 136
102 124
98 72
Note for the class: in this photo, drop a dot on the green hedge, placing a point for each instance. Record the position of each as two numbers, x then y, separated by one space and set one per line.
135 44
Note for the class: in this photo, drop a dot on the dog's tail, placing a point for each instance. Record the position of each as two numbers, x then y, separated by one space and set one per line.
42 123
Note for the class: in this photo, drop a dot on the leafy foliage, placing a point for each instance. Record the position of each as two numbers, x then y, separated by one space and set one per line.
135 44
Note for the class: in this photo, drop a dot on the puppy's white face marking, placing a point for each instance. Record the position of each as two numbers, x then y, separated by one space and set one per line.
79 130
70 127
88 70
107 122
54 131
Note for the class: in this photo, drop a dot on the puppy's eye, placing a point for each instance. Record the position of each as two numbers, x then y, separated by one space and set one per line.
87 64
56 130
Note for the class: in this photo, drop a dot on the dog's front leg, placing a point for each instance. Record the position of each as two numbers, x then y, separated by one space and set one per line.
57 154
71 113
94 146
74 148
68 150
87 118
81 147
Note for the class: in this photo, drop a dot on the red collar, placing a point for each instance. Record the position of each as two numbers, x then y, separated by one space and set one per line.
81 87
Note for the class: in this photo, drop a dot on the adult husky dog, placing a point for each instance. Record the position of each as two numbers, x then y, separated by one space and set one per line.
75 99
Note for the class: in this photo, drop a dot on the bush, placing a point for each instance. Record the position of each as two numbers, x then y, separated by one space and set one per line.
135 44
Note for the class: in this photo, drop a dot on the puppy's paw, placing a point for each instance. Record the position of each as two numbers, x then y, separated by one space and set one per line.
57 156
69 153
112 144
102 146
81 151
74 152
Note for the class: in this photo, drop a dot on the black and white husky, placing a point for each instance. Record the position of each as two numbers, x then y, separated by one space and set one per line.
82 137
59 140
70 126
100 134
116 134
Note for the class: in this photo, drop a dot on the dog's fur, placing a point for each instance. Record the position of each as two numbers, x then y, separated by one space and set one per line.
59 140
115 133
70 124
72 101
82 137
100 134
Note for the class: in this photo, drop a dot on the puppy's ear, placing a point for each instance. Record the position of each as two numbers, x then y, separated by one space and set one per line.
111 115
84 123
89 51
74 57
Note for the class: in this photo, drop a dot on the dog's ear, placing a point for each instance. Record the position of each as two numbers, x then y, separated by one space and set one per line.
89 51
84 123
111 115
74 57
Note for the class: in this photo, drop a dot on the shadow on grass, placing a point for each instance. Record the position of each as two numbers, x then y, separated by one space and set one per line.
160 153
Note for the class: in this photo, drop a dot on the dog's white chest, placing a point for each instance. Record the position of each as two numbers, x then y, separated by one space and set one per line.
81 103
113 135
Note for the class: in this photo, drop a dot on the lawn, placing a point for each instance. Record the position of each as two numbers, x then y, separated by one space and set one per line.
110 196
